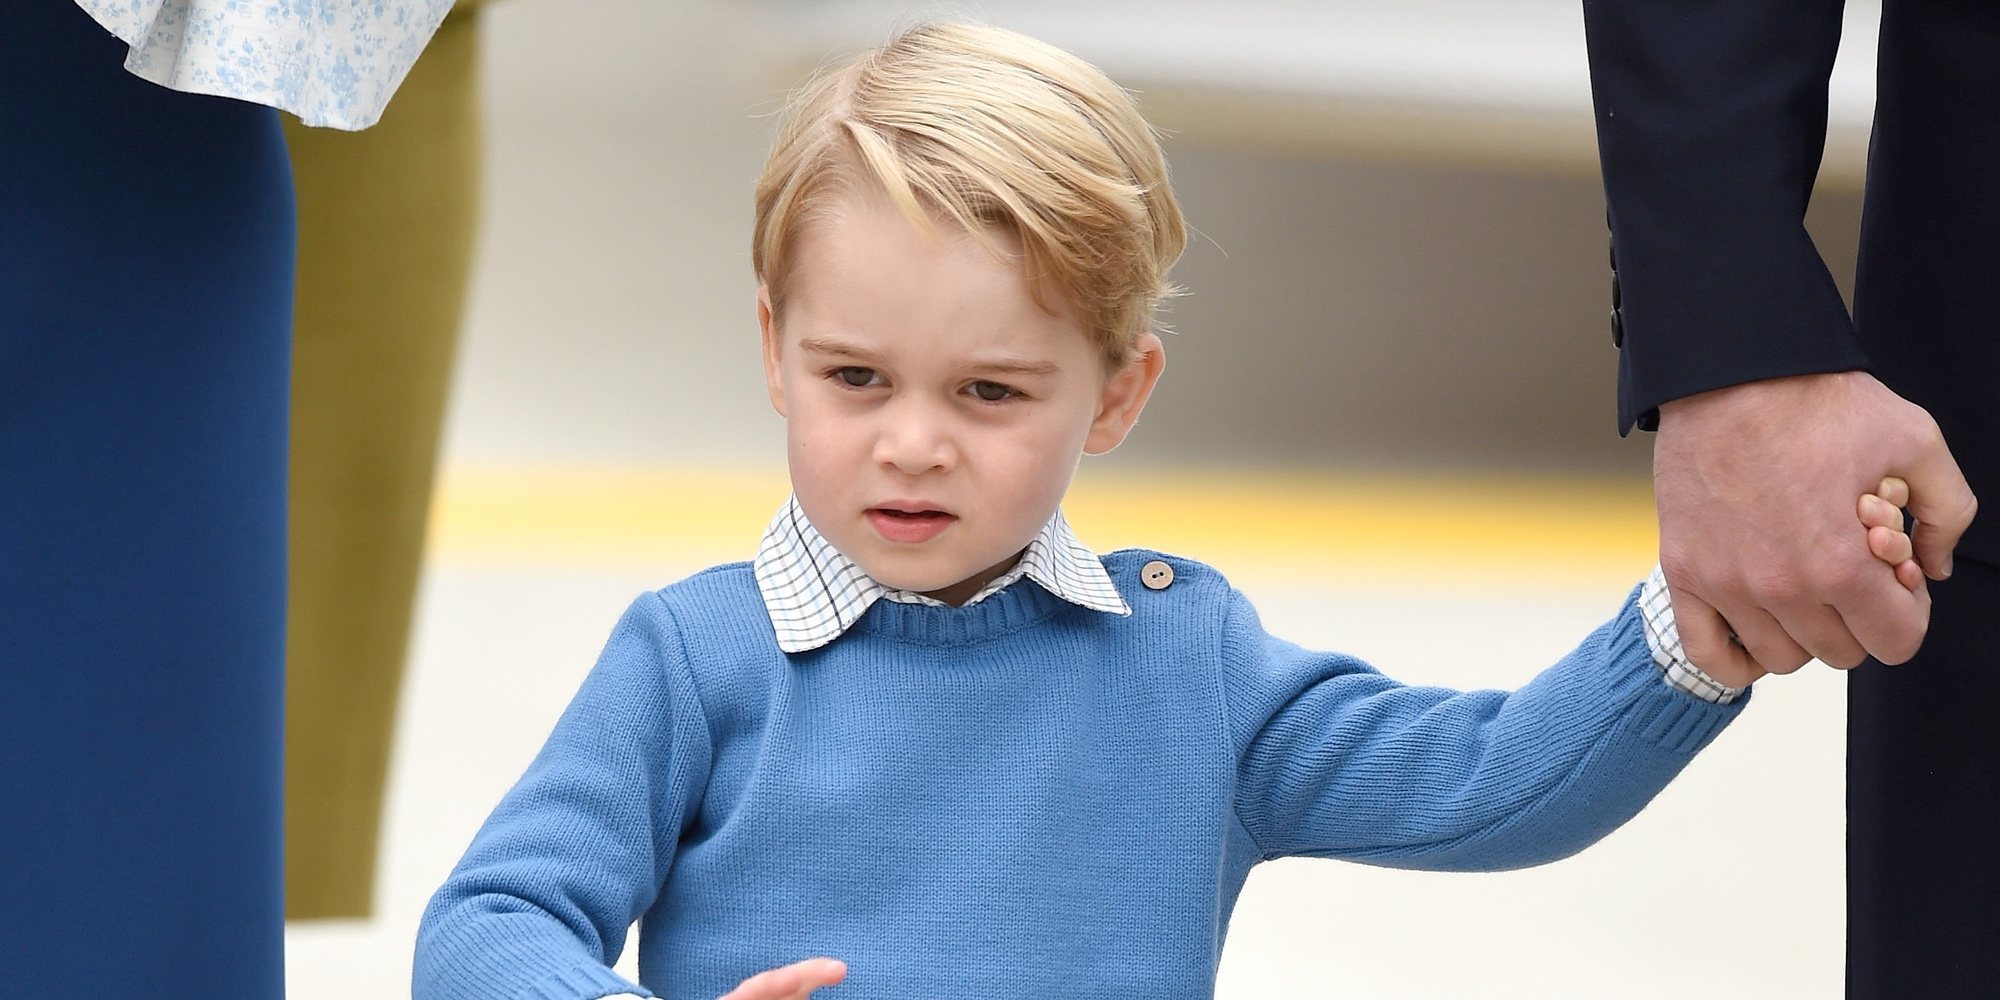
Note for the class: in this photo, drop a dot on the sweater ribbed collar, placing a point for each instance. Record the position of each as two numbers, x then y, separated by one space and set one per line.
814 593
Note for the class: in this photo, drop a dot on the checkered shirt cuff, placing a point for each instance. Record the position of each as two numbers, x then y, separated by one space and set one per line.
1664 638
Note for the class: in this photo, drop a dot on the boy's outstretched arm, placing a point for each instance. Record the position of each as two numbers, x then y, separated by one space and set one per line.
541 902
1338 760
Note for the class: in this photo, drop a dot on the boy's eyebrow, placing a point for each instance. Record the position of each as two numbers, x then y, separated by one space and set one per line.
997 366
821 345
1010 367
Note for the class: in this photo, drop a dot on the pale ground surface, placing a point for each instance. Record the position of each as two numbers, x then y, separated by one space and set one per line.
1353 307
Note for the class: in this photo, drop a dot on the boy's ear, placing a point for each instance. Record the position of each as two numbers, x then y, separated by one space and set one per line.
767 327
1125 394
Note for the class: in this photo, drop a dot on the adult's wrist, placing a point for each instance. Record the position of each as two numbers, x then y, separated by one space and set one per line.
1739 395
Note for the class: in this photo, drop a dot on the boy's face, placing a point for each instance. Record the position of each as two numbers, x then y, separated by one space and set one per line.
935 412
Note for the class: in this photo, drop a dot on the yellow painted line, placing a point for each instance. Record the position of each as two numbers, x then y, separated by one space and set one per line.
1395 527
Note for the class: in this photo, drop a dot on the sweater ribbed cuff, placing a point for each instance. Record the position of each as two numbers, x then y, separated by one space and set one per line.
581 982
1686 724
1668 717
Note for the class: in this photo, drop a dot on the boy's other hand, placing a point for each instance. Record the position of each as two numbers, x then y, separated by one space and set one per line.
796 981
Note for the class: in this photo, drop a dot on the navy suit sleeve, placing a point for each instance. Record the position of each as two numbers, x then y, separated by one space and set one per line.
1711 120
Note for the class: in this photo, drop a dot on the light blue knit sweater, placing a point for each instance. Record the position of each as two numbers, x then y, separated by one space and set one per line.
1021 798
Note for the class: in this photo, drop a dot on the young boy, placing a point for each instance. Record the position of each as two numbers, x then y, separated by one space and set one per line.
879 742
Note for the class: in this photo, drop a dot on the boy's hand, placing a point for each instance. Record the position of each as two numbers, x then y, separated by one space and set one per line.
797 980
1882 514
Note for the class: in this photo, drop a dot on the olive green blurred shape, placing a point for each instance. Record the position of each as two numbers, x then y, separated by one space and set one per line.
386 227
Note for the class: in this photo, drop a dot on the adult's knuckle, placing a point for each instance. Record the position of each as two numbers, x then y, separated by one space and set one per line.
1930 436
1678 565
1703 648
1840 578
1779 656
1895 650
1899 641
1774 585
1911 428
1968 508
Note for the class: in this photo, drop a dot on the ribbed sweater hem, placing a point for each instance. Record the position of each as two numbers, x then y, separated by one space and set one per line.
1667 717
580 982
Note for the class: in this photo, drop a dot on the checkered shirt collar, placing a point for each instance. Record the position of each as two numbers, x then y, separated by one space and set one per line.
814 593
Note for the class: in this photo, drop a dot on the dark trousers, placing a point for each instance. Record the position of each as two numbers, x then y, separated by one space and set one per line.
1923 766
146 251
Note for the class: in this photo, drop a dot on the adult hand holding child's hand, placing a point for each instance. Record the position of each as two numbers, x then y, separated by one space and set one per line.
1755 486
796 981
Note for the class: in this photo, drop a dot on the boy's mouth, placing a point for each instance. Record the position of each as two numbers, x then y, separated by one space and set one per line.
900 523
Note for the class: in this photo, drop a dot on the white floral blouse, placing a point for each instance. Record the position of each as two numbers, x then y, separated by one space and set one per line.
330 62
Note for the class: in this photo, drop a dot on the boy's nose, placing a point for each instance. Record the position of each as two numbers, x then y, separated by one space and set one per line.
914 445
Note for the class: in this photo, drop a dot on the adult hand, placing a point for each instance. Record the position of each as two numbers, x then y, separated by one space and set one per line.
1756 486
792 982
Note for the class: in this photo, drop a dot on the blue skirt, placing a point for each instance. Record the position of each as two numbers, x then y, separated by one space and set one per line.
146 252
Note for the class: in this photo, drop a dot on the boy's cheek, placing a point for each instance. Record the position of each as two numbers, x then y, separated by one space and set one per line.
822 452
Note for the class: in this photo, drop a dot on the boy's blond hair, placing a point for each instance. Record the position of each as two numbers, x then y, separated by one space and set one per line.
986 128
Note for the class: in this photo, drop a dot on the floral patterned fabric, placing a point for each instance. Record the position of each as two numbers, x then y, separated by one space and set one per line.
330 62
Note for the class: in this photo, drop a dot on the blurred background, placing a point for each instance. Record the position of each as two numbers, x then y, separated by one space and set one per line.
1388 415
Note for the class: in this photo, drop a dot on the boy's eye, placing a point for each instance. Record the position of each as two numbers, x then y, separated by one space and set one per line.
992 392
857 377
